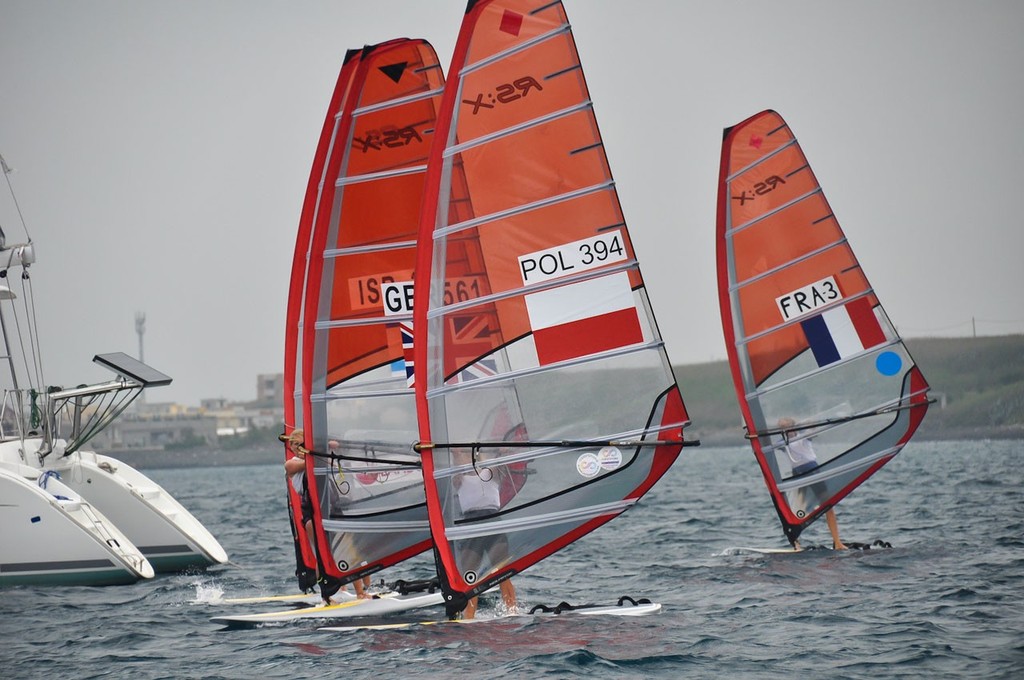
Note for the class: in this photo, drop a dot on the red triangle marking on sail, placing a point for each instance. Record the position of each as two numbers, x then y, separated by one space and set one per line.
394 71
756 141
511 22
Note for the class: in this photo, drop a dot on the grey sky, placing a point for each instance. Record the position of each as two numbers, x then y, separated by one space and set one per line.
162 150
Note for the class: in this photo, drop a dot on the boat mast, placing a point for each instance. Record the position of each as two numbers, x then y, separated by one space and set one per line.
140 329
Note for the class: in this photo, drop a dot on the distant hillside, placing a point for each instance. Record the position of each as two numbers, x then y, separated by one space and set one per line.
978 382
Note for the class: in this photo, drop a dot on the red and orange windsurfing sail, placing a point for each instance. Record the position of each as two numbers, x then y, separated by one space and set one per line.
306 567
546 401
357 407
827 388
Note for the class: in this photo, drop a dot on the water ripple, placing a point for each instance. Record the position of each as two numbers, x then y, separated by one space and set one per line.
946 601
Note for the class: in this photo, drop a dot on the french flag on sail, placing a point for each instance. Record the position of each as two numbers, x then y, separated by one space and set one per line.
843 331
583 318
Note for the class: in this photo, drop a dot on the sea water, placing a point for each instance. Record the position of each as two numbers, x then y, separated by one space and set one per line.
947 600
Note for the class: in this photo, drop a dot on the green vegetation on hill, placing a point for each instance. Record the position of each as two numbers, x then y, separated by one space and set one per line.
978 384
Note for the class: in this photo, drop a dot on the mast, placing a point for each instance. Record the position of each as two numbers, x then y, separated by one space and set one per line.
140 330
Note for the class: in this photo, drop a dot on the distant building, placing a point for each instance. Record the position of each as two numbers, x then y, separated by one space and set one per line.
270 388
156 430
216 404
159 425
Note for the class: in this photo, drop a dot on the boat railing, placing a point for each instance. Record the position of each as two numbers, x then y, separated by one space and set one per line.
12 415
78 414
75 415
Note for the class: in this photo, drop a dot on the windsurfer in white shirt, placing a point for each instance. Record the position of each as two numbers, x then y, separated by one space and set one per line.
801 455
479 495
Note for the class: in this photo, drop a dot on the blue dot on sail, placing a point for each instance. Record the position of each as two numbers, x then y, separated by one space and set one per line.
888 363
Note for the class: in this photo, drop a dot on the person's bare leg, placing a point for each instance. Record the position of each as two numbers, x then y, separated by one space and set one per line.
311 536
470 610
508 595
361 585
833 527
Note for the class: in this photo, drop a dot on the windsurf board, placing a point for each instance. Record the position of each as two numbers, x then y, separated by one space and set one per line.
635 609
295 598
761 551
386 603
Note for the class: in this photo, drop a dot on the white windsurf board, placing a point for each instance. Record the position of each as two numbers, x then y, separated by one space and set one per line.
642 609
296 598
386 603
760 551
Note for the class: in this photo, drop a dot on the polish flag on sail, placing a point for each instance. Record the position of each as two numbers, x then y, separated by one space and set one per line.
843 331
583 318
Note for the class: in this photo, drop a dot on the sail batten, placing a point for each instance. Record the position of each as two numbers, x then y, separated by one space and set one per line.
780 209
371 177
400 101
371 528
574 516
356 323
838 470
372 248
512 376
793 322
754 279
355 395
908 401
516 49
827 389
533 288
809 375
525 208
762 159
515 129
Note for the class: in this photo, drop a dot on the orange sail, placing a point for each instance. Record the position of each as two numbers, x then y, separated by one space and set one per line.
546 401
306 569
358 411
828 391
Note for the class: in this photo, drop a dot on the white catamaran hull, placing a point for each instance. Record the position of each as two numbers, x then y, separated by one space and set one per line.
59 532
53 536
166 533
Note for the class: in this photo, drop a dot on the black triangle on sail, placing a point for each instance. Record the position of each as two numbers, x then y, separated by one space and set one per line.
394 71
